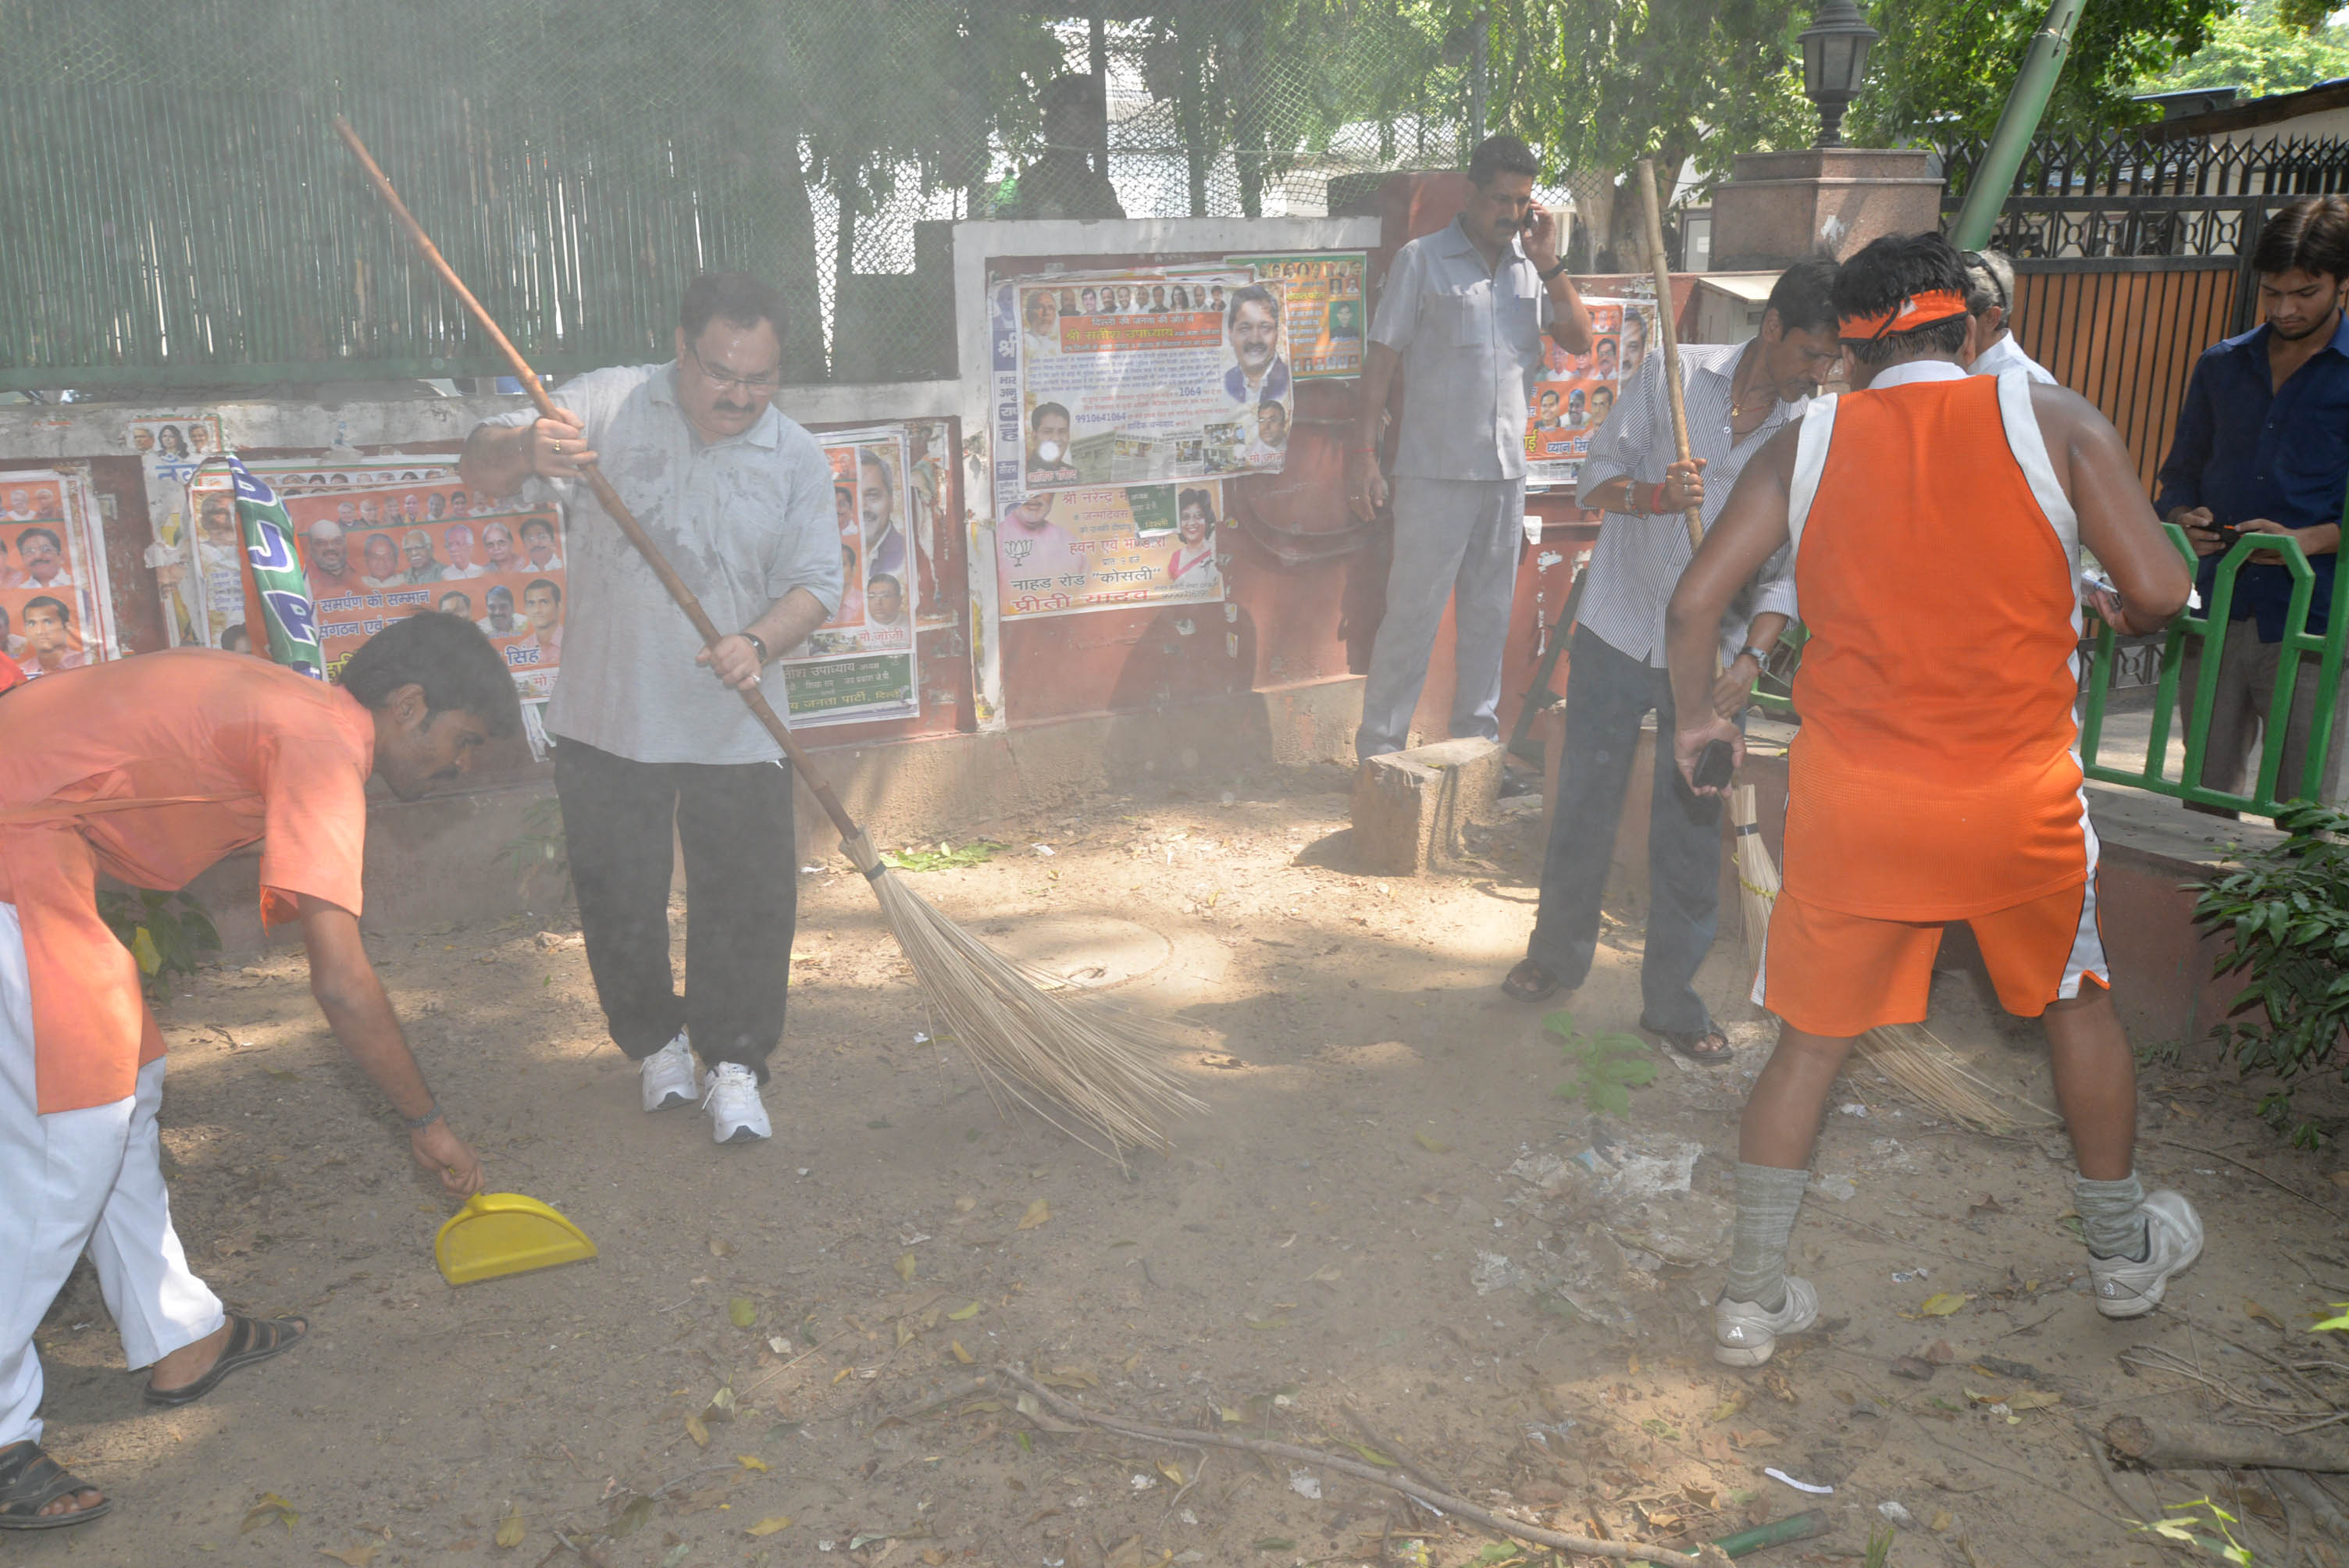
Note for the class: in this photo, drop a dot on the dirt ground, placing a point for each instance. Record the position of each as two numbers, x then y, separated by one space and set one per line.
1383 1140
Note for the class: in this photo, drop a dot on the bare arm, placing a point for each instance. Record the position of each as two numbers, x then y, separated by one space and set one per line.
786 625
1750 529
1735 689
499 457
2116 522
351 996
1366 487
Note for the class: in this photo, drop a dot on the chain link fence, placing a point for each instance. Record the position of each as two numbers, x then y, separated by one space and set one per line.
180 215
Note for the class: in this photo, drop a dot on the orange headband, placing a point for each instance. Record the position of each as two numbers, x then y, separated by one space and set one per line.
1917 310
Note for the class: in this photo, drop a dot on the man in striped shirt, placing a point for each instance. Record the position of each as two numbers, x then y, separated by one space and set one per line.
1737 396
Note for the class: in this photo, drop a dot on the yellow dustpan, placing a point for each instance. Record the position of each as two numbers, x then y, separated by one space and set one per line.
505 1232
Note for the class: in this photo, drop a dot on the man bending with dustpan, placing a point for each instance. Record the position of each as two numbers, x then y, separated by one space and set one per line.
151 770
1936 522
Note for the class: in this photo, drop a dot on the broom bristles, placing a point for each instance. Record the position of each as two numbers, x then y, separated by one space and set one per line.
1757 874
1034 1037
1912 1058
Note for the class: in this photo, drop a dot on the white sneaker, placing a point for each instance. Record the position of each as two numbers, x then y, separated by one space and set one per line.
730 1095
2173 1235
1743 1334
668 1075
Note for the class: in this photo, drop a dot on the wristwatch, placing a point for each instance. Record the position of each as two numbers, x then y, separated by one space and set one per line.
753 639
1761 657
1549 273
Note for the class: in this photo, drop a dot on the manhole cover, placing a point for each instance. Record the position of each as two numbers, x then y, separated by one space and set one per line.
1091 952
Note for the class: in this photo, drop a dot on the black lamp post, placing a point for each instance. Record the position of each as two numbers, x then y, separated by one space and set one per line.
1834 58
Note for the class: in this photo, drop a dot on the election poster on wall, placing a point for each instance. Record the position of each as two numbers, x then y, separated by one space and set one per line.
1149 376
385 539
859 666
57 610
168 447
1326 315
1059 552
1574 393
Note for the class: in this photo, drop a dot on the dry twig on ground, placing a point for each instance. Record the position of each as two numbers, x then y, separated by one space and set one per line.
1705 1554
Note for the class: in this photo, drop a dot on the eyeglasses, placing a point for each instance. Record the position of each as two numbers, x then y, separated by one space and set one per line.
763 386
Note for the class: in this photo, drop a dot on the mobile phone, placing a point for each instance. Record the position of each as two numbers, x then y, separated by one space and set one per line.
1714 765
2227 533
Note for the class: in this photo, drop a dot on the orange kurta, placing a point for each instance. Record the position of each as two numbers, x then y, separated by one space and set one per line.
1935 776
243 750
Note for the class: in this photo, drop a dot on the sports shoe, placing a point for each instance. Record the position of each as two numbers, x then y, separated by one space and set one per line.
2173 1239
730 1095
1743 1334
668 1075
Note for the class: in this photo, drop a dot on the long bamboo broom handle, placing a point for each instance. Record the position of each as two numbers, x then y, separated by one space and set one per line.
608 498
1665 330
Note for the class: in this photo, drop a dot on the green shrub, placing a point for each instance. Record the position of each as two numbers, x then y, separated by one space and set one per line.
168 932
1607 1067
2285 913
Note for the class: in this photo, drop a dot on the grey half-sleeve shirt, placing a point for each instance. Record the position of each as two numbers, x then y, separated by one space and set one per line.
1470 338
743 521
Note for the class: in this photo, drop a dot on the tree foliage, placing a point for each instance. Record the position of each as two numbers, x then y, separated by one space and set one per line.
1944 67
2262 49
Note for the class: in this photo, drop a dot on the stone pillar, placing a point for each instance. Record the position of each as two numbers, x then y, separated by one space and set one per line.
1779 207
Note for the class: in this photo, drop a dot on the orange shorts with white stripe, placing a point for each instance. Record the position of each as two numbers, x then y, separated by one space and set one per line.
1835 974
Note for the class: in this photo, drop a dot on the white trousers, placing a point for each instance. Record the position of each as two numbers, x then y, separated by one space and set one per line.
76 1179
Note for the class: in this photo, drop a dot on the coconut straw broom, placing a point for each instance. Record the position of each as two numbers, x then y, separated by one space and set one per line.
1909 1055
1030 1036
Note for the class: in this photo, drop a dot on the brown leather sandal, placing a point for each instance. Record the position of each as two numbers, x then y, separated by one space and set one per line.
1528 982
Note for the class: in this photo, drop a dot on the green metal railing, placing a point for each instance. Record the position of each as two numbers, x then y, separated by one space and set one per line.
2206 634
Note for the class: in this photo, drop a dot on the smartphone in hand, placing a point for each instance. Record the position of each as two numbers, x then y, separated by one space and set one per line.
1714 765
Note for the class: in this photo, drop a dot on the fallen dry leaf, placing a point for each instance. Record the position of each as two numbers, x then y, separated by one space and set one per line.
1942 1304
959 1353
1943 1519
752 1462
1328 1274
271 1508
1756 1438
2034 1399
1038 1213
2253 1309
699 1432
966 1203
1938 1353
356 1556
1433 1146
510 1530
906 1267
1916 1368
1729 1406
1170 1470
742 1312
770 1524
963 1314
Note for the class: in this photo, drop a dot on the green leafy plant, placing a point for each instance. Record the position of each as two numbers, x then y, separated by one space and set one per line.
1606 1068
1879 1547
2203 1514
2285 912
168 934
541 848
945 858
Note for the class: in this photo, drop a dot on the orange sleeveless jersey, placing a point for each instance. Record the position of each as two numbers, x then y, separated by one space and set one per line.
1934 777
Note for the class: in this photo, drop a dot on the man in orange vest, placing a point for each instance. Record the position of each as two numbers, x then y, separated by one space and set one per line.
1936 520
151 770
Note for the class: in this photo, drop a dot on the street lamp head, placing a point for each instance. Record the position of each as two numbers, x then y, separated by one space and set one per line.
1834 59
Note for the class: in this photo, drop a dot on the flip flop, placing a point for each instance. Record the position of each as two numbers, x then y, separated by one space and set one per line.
30 1480
250 1339
1528 982
1708 1048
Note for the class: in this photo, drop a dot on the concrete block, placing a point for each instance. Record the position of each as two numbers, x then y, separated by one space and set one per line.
1409 806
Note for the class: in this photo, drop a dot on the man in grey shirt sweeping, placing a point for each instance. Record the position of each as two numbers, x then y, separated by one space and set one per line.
1463 318
648 731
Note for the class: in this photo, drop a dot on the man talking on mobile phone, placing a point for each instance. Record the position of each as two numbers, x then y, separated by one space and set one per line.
1461 319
